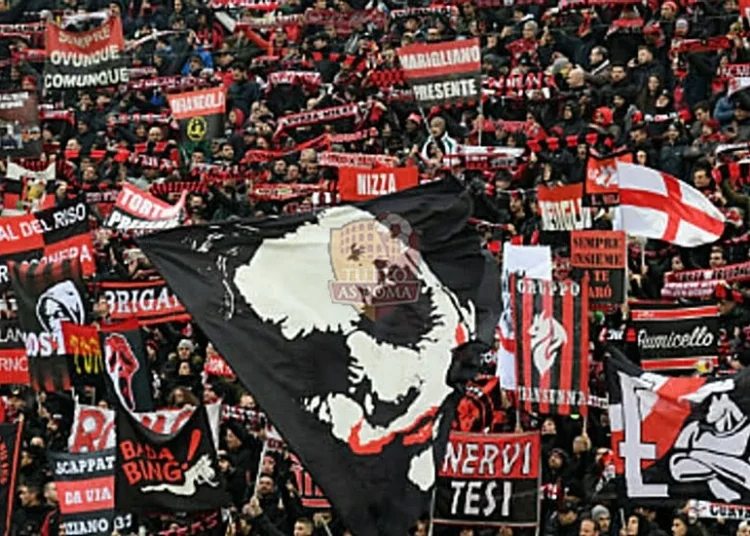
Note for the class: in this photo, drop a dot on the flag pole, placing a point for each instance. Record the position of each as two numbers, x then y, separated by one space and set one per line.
432 511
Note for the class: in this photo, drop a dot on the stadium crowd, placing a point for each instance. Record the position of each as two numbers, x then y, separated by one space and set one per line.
592 75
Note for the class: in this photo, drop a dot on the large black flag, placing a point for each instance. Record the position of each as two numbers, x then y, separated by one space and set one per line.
343 324
681 438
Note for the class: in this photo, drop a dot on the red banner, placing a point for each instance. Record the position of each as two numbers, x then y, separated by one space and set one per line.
562 208
77 60
14 365
216 366
360 184
137 210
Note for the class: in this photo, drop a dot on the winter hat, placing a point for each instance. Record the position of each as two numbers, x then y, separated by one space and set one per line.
671 5
186 343
599 511
559 65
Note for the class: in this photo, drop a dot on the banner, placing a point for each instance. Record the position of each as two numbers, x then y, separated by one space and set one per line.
443 73
309 493
85 361
77 60
200 113
14 365
562 208
216 366
48 294
138 210
702 283
10 450
603 255
50 235
128 377
168 472
679 438
28 191
197 524
490 480
86 494
151 302
93 429
20 135
715 510
602 185
523 261
672 337
552 344
360 184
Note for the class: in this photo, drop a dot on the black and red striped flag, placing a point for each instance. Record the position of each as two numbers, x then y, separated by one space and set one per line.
552 344
151 302
48 294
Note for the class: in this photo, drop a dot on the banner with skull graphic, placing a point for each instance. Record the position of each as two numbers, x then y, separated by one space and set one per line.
552 344
679 438
344 324
48 294
175 471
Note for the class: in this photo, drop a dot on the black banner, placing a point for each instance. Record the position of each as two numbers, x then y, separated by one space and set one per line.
671 337
20 135
490 480
174 472
84 352
128 377
679 438
602 254
85 491
200 113
407 270
10 449
48 294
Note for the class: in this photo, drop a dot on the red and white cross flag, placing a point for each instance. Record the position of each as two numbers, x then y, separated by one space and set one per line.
657 205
